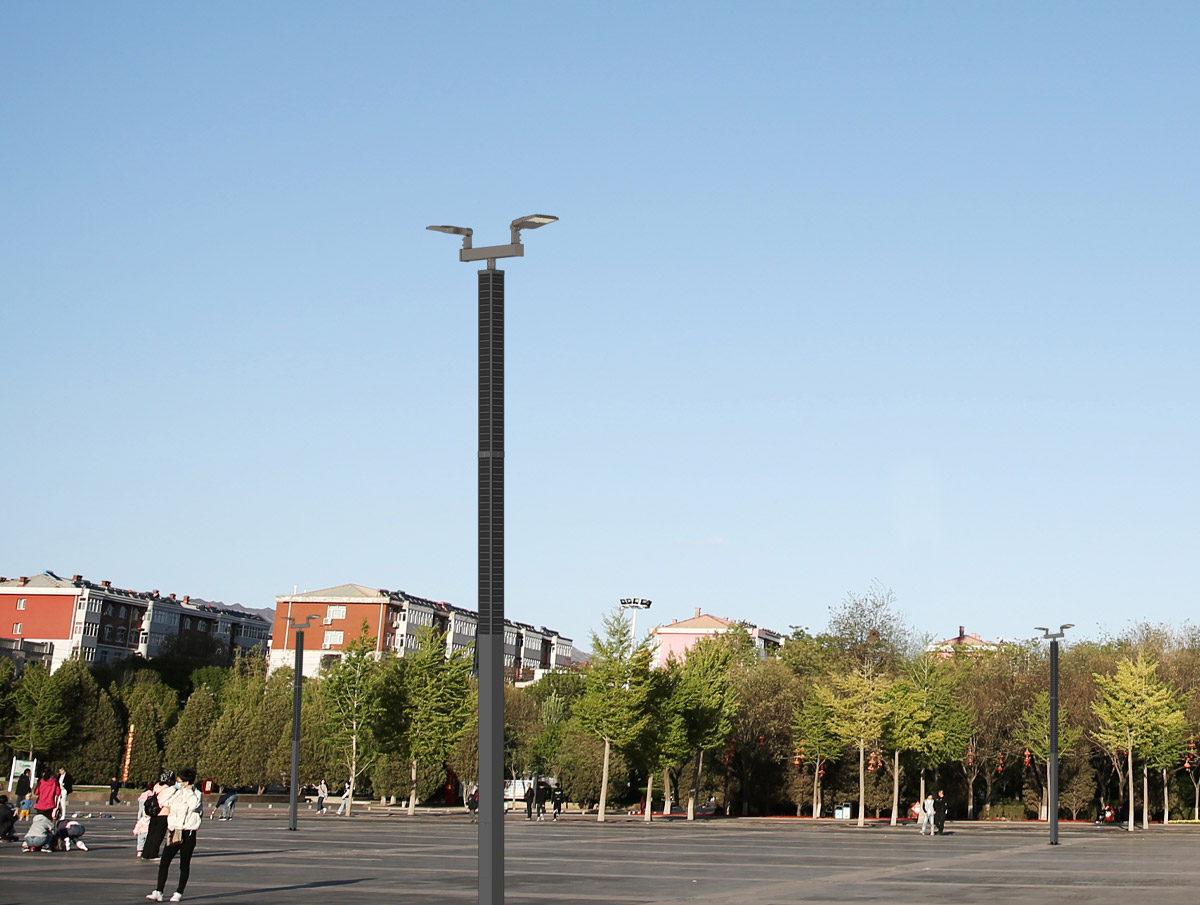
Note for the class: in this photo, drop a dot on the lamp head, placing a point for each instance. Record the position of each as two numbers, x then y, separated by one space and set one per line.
453 230
533 221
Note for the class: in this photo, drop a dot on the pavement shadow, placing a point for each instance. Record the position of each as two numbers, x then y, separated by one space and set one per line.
263 890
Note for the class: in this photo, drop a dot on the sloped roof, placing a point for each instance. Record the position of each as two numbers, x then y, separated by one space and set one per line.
343 590
703 622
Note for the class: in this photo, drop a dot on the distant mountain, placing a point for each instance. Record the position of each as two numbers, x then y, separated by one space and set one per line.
267 613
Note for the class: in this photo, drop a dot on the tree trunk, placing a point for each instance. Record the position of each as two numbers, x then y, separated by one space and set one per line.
862 783
922 786
1145 796
970 776
412 788
666 791
1196 801
353 772
1129 767
603 784
817 789
895 787
649 796
695 790
988 781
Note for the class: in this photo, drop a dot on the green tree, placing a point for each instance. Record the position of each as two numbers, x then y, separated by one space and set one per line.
350 688
1034 733
103 737
871 631
1133 707
41 722
858 706
616 686
188 743
765 695
816 743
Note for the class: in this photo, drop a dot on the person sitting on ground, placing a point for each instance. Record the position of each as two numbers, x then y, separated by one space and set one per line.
67 831
39 835
8 819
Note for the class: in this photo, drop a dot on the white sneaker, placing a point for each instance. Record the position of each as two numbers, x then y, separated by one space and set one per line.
79 845
177 897
155 896
66 845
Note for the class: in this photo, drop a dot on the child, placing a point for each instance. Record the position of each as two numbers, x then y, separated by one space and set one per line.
67 831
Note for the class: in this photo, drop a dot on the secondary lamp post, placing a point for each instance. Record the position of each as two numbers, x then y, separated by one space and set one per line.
1053 638
489 643
296 684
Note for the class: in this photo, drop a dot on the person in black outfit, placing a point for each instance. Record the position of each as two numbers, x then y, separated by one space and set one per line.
158 821
24 785
528 802
114 786
557 797
940 806
8 819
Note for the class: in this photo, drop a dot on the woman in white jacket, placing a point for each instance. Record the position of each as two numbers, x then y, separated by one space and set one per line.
183 808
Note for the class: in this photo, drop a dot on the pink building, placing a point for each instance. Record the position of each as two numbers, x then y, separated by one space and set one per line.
677 638
962 642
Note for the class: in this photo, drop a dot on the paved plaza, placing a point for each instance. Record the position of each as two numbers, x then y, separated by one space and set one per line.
430 860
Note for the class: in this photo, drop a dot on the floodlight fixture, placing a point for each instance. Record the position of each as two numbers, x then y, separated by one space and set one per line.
533 221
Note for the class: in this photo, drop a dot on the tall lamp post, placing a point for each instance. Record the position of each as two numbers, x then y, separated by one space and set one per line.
1053 638
490 638
635 604
297 680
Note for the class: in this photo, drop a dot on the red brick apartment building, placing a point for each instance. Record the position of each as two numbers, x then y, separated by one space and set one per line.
395 620
99 623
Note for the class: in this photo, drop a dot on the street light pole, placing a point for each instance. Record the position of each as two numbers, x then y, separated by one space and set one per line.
297 679
490 638
1053 780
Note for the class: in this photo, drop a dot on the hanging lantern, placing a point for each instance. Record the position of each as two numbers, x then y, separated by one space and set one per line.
1028 758
1000 763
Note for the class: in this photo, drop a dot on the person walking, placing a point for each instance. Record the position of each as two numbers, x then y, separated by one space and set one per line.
344 805
528 802
927 814
157 822
46 794
940 807
183 806
557 797
322 794
114 788
473 802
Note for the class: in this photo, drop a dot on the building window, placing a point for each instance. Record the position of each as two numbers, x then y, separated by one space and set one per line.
332 638
108 609
123 612
203 626
187 622
335 612
16 628
121 635
21 603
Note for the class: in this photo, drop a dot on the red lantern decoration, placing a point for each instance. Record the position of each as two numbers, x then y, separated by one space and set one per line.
1028 758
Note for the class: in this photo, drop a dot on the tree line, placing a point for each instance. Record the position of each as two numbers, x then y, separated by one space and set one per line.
862 715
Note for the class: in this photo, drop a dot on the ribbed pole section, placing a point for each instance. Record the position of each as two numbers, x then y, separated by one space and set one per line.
490 640
297 681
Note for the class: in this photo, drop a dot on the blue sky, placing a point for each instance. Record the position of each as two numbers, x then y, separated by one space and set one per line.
841 292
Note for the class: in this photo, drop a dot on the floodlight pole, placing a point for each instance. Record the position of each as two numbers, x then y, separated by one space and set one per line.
1053 780
635 604
296 684
489 643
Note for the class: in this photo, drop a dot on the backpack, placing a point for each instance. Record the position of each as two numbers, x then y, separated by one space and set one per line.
151 807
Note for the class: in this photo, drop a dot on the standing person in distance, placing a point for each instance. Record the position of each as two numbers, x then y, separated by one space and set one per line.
557 797
183 808
345 800
322 794
927 814
66 785
153 807
141 826
24 785
940 807
114 787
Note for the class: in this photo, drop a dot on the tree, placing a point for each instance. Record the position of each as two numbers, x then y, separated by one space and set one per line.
612 706
188 741
765 695
816 743
349 686
41 722
438 705
99 753
858 705
1034 733
1134 709
872 633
